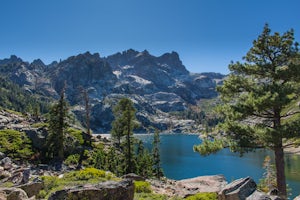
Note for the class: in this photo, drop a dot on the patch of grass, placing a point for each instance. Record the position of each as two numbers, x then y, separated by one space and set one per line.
203 196
74 178
86 174
142 187
150 196
14 112
40 125
7 184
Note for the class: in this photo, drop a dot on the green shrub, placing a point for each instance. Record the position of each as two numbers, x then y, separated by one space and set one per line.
74 178
51 184
76 133
7 184
40 125
86 174
42 194
15 144
204 196
72 159
142 187
150 196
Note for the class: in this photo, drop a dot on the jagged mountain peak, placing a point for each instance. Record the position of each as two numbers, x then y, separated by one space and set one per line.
11 60
169 62
38 62
156 84
84 57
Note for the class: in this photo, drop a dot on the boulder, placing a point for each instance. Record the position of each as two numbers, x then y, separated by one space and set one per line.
6 163
257 195
2 155
37 136
297 198
123 190
14 193
32 189
3 196
238 189
4 174
187 187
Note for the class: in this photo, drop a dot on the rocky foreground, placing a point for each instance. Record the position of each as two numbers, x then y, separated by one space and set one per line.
26 184
23 181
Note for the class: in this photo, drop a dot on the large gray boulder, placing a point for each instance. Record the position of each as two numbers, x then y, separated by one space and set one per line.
257 195
123 190
188 187
238 190
37 136
191 186
32 188
13 194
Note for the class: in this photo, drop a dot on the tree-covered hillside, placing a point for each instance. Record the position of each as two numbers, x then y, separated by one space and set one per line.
13 97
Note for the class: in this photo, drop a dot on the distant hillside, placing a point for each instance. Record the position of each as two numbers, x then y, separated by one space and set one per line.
16 98
158 86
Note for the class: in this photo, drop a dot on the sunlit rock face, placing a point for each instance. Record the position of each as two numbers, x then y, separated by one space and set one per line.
156 85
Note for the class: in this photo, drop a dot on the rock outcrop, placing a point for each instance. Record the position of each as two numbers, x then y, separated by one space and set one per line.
188 187
123 190
10 120
244 189
238 189
257 195
32 188
13 194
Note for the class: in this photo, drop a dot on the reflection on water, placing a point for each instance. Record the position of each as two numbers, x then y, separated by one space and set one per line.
179 161
292 167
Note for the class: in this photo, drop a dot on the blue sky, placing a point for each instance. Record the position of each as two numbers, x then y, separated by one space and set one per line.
207 34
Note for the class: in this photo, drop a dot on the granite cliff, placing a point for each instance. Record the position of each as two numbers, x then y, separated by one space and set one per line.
158 86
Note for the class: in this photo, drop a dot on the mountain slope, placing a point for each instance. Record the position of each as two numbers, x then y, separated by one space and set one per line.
156 85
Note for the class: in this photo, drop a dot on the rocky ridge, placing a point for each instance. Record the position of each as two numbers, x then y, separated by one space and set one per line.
158 86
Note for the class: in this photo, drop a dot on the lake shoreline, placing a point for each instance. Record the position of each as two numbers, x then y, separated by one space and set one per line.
289 150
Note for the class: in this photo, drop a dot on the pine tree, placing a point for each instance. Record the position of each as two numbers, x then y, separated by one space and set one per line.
123 125
157 170
144 161
86 136
58 125
260 98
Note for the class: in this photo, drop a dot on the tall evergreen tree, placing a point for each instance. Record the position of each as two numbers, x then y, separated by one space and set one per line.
144 161
58 124
157 170
258 96
123 125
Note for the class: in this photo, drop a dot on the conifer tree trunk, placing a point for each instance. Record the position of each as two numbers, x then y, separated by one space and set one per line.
279 163
279 155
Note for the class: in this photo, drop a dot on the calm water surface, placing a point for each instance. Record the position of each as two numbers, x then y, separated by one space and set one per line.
179 161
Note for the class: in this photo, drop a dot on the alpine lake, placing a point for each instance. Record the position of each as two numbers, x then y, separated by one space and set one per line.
179 161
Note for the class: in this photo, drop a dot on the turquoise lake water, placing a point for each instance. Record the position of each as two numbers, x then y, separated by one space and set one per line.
179 161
